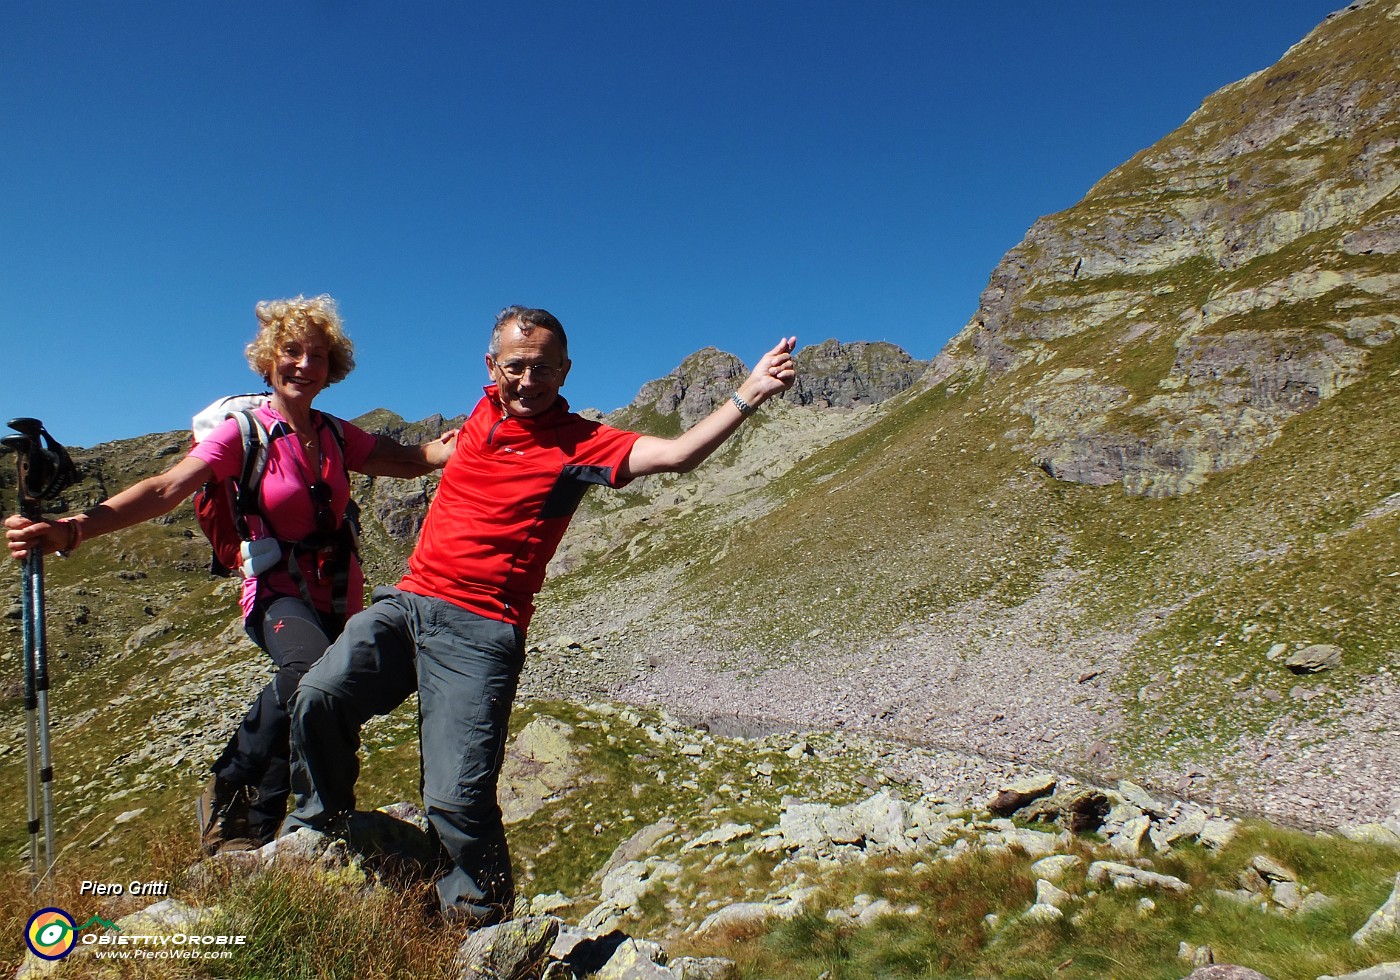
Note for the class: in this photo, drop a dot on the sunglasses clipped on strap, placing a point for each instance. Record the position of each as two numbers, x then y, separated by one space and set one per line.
321 496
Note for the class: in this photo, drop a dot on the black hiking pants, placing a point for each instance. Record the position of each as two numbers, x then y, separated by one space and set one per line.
258 755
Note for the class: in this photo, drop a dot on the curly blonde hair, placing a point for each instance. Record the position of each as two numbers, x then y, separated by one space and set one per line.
300 318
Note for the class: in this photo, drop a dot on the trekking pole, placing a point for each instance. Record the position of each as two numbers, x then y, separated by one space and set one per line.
36 714
44 470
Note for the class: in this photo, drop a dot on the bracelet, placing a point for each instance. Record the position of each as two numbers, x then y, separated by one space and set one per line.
75 537
744 407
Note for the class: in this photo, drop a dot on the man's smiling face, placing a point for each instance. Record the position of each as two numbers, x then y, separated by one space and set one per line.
529 369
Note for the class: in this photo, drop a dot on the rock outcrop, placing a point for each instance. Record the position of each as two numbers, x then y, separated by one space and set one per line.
829 375
1240 271
833 374
694 388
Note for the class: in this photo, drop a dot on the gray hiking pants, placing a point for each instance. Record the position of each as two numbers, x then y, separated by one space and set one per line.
464 668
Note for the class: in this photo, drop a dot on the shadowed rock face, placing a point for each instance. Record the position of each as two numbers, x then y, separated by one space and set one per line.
1242 269
699 383
832 374
829 375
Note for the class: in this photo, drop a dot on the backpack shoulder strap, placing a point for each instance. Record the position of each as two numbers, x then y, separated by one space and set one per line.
254 437
344 551
255 440
337 428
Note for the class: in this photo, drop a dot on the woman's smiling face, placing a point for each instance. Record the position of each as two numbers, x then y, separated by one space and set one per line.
301 367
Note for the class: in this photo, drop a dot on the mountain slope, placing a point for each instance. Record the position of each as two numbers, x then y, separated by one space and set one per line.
1213 330
1236 273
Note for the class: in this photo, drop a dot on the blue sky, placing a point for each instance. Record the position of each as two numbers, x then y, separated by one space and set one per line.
662 176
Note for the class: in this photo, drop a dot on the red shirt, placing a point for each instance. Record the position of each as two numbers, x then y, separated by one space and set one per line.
507 496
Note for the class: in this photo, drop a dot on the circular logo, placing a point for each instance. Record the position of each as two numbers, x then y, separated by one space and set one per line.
51 934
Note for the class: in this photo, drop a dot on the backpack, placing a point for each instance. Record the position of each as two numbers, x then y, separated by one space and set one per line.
227 510
222 506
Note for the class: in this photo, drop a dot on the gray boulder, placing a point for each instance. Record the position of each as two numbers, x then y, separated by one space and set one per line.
1195 955
513 950
1381 971
1076 810
1384 921
1217 832
1272 870
1014 796
703 968
1141 799
1055 868
1315 659
1047 893
1042 912
746 915
1387 833
1125 876
635 960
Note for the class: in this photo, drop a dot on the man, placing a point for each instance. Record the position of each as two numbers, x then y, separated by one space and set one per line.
453 629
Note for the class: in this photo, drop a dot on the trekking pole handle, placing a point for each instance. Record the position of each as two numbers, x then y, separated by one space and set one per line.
23 446
45 468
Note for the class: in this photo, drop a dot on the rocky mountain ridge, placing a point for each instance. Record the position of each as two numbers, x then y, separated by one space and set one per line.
829 374
1241 271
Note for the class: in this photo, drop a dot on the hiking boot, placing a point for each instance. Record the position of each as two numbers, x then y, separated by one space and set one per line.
474 917
261 826
222 811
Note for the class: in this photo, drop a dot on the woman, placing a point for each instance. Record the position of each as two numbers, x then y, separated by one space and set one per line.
289 607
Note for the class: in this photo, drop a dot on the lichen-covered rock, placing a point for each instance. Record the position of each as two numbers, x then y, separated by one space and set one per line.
513 950
1040 912
1225 971
1047 893
1054 868
541 765
1125 876
747 915
703 968
634 960
1381 971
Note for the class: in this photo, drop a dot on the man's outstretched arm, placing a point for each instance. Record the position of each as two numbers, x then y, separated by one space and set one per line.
774 374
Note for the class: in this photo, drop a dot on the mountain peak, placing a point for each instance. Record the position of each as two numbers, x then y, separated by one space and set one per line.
831 374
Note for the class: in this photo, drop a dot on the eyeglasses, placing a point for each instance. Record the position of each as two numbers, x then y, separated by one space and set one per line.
540 372
321 497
